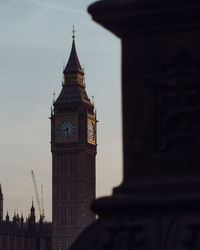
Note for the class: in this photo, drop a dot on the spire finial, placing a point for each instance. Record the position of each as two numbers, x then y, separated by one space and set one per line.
73 32
54 97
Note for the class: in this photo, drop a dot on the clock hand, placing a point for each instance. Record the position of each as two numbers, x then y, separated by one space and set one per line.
67 131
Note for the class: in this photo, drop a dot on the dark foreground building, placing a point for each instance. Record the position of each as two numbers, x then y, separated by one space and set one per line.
157 206
17 234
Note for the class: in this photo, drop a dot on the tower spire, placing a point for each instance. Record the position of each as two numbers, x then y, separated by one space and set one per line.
73 64
73 77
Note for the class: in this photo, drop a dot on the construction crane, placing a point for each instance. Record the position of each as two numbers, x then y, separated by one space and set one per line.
36 194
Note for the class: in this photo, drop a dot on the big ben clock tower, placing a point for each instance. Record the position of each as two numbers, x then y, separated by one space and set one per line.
73 146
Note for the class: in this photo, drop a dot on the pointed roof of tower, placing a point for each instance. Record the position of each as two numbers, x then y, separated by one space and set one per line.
73 89
7 217
1 190
32 207
73 64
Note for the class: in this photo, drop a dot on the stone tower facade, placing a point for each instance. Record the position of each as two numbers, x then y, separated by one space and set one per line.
1 204
73 146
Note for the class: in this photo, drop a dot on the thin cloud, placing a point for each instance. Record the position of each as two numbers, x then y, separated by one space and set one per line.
57 7
6 5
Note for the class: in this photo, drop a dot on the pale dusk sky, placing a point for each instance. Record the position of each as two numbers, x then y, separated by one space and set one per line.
35 41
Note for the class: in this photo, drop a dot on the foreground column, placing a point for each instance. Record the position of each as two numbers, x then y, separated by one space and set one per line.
158 205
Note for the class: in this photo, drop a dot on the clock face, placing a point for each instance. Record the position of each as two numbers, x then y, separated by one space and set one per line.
91 131
66 129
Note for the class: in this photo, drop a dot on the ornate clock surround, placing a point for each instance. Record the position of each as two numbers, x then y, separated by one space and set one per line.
91 129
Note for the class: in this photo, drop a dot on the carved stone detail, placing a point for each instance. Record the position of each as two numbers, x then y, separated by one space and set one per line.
155 232
175 86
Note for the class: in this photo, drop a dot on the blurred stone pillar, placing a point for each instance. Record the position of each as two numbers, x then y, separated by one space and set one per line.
158 204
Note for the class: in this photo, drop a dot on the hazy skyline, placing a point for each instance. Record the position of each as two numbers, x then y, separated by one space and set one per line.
35 42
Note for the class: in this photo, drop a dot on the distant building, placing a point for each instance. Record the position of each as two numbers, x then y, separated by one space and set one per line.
17 234
73 146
